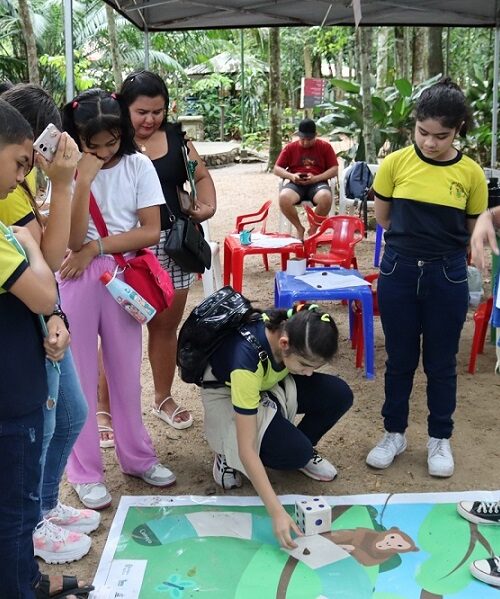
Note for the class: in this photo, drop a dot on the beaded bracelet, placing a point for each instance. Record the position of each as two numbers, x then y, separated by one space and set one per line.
101 248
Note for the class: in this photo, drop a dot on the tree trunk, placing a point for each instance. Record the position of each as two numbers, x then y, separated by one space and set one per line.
435 63
274 97
365 39
30 42
382 56
420 55
316 66
113 44
400 60
308 112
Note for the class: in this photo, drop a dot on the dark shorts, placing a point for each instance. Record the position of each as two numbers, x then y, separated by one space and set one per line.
306 193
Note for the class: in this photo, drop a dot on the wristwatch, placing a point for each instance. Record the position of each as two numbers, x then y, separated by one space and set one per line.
58 312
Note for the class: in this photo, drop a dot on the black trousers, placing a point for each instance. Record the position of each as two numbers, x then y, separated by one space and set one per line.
323 399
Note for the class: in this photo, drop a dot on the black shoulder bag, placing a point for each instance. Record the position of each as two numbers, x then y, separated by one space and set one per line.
185 242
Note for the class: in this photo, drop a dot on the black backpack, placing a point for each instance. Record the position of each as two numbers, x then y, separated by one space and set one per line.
357 185
358 181
219 315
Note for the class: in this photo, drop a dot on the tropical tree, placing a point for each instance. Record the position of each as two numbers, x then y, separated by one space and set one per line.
274 97
29 40
93 62
391 112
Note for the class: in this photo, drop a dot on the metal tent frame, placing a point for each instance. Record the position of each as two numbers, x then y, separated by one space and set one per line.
169 15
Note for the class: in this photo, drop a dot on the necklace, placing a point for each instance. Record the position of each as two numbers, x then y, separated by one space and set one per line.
142 148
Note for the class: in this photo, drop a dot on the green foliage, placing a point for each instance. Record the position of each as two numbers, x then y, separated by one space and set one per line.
392 115
446 538
480 97
334 41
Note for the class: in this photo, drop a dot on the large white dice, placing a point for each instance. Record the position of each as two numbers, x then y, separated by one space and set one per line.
313 515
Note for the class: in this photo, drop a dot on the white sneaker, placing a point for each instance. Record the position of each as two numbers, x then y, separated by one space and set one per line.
56 545
68 517
487 570
439 457
384 452
319 468
158 476
93 495
226 477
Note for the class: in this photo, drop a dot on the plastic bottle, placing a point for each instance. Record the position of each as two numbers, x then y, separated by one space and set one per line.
128 298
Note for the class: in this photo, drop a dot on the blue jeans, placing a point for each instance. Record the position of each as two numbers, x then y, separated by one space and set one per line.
63 421
422 303
20 448
323 399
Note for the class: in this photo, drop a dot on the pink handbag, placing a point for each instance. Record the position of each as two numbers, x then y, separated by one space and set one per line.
143 273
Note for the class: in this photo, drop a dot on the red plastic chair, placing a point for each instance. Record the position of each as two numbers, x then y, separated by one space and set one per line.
255 217
234 252
357 328
481 321
342 233
315 221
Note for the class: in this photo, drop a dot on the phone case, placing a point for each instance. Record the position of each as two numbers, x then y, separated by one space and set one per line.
46 144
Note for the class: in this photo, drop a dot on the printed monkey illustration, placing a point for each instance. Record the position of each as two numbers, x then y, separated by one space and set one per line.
372 547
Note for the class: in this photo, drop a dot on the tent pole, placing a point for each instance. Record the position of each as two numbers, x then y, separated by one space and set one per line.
68 49
494 121
242 97
146 48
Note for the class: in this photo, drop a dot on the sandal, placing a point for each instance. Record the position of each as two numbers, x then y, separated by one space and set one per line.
170 419
69 587
103 428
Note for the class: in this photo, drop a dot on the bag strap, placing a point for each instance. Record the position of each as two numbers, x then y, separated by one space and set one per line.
102 229
190 166
252 339
11 238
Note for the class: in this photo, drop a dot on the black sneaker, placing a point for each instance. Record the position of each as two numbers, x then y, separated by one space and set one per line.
487 570
480 512
226 477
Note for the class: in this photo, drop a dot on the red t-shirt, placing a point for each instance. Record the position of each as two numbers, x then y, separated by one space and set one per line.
315 160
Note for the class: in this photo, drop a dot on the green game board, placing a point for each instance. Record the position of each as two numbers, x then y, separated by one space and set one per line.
380 547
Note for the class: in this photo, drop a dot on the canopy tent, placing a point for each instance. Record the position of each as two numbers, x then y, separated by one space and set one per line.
164 15
168 15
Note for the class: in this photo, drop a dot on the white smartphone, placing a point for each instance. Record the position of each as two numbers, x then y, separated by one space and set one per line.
46 144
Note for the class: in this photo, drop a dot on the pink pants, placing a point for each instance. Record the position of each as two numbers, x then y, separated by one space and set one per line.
93 312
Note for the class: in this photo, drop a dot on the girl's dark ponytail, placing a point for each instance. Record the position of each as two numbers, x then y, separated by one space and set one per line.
312 332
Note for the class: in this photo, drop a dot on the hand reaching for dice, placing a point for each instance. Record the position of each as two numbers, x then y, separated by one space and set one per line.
283 526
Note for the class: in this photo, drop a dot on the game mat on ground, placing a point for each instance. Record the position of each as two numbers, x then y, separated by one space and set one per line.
404 546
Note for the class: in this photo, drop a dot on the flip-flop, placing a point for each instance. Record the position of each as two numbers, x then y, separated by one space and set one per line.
69 587
157 411
103 428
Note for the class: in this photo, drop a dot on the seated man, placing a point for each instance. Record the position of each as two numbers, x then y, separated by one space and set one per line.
308 164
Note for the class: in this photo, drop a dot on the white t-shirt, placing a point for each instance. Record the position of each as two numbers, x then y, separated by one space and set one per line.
122 190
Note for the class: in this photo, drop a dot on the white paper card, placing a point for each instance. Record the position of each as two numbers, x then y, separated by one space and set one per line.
329 280
222 524
316 551
124 579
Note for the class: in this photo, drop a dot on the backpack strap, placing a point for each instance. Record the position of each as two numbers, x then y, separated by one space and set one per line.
250 337
263 357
